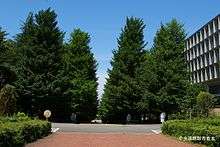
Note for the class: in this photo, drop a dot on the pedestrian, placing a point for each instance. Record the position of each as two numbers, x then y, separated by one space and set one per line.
162 117
128 119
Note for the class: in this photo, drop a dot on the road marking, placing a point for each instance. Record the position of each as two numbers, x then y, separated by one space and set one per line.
156 131
54 129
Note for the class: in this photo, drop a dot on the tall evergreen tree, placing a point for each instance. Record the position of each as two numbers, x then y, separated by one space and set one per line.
80 76
39 48
2 41
7 60
170 65
148 83
3 51
121 90
8 95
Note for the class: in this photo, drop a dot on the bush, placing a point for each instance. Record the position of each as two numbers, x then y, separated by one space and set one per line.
195 128
205 102
8 100
20 129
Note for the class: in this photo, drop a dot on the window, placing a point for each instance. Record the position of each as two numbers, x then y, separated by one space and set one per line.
215 71
194 65
195 51
214 28
191 43
194 77
194 40
210 72
202 33
198 77
206 74
198 62
199 51
216 40
211 28
206 62
206 32
202 75
202 62
202 47
199 39
205 46
212 42
215 56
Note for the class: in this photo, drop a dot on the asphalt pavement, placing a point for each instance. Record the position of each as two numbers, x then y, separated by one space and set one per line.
106 128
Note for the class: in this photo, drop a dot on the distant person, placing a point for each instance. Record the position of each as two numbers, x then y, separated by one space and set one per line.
73 117
162 117
128 119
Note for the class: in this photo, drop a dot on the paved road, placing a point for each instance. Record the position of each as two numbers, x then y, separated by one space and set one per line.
106 128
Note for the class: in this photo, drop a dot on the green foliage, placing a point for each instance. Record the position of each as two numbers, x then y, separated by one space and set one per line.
205 102
39 48
19 130
121 90
208 127
148 82
8 100
7 59
16 117
188 102
79 74
170 66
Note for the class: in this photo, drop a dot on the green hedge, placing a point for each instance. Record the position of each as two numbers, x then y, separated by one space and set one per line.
203 131
16 132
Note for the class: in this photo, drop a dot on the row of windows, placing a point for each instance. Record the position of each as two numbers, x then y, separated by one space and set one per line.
205 74
204 60
203 47
199 36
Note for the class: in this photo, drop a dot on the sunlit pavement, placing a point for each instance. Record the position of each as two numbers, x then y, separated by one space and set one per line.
107 128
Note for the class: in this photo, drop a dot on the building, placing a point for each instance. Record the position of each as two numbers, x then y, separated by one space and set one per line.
202 51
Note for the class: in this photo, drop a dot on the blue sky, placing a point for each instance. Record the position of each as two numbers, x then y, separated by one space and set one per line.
103 19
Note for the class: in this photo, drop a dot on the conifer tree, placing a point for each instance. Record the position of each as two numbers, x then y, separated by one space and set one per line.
170 65
39 49
121 90
148 83
8 95
80 75
7 60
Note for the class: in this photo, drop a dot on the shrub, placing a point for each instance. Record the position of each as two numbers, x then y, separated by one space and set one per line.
205 102
20 129
7 100
15 118
194 128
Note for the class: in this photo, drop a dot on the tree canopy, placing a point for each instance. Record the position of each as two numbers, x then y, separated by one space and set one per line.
121 90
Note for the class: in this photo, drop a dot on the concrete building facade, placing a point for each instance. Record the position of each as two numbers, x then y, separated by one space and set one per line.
202 51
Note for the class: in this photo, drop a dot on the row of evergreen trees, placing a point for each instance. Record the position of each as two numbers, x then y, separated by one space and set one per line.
143 83
51 74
